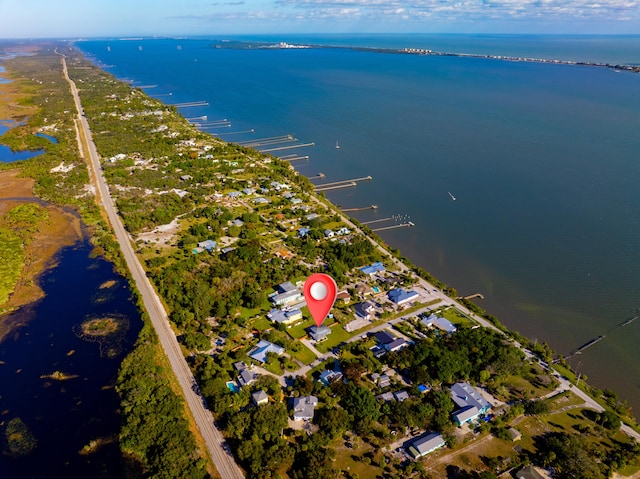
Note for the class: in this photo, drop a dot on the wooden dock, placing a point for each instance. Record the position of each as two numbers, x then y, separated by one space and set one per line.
402 225
335 187
334 183
188 104
300 145
237 132
370 207
390 218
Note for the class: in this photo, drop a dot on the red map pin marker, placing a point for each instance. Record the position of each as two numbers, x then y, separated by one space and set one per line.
320 291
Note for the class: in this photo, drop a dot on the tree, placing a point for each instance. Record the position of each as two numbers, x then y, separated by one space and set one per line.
361 405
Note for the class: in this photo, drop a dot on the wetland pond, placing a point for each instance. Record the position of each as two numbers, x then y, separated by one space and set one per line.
58 368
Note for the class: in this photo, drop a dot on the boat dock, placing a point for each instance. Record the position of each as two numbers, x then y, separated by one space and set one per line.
188 104
301 145
271 140
370 207
237 132
401 225
335 183
390 218
295 158
335 187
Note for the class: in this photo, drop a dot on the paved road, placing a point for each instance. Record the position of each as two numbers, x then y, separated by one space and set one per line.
223 461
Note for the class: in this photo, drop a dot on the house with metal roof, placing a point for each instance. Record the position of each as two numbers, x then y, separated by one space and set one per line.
425 444
329 376
364 309
319 333
470 402
304 407
290 297
396 345
434 321
374 268
531 472
259 353
384 337
401 395
246 377
259 398
399 296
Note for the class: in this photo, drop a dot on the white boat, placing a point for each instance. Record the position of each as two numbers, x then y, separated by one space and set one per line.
337 145
452 197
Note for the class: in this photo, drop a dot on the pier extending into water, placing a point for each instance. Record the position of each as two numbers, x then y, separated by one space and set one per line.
301 145
271 140
295 158
370 207
188 104
401 225
590 343
237 132
325 186
390 218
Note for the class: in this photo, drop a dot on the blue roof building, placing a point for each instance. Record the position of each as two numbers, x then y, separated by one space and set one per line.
441 323
471 403
209 245
399 296
374 268
259 353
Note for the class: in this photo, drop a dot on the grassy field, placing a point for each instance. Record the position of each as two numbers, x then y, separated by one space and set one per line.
11 262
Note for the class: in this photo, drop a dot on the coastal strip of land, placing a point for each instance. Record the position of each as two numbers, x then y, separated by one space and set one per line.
224 462
435 53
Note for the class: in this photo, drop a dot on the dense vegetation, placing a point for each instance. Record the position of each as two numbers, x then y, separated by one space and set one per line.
154 429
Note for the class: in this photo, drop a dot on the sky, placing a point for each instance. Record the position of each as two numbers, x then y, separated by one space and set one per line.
100 18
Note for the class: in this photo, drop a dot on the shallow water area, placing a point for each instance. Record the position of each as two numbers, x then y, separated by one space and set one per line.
7 155
57 381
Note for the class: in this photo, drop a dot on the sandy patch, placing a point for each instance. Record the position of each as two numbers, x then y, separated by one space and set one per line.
164 234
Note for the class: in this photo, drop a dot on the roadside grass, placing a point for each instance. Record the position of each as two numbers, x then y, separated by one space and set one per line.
11 262
564 399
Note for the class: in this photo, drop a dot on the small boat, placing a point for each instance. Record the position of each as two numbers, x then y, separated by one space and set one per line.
452 197
337 146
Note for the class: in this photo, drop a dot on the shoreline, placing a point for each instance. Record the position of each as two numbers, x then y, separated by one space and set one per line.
633 68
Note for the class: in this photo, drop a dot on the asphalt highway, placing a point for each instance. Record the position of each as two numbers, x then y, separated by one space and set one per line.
216 445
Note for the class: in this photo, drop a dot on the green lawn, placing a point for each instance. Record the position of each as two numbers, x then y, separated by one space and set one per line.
304 355
338 335
454 315
297 330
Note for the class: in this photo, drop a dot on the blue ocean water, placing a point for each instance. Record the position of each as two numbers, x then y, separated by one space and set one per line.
542 160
